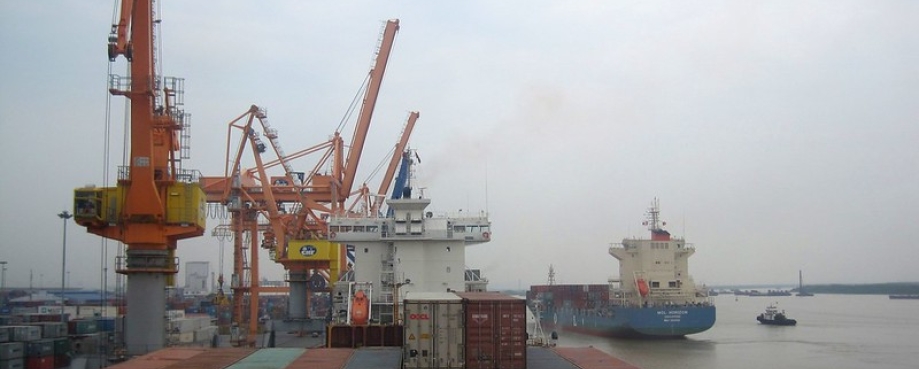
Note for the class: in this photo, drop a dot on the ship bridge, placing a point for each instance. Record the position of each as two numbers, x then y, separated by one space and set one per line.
413 250
413 223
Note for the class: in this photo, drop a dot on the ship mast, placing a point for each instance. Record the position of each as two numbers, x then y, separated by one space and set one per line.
551 275
654 223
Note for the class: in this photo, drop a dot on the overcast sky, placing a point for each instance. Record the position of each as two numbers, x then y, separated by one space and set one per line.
779 136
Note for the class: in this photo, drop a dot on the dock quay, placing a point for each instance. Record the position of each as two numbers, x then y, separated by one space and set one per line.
346 358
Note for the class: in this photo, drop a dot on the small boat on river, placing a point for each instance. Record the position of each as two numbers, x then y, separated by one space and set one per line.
772 316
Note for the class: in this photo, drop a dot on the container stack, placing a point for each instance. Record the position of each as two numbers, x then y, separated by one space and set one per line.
40 354
190 329
11 353
469 330
62 352
21 347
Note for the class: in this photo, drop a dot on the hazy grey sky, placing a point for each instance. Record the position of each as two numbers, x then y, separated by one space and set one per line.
778 135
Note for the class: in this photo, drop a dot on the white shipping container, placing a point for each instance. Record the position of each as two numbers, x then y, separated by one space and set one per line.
12 350
52 329
434 331
12 364
205 334
25 333
185 325
175 314
187 337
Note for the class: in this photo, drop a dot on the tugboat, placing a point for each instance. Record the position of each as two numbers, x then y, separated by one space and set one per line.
772 316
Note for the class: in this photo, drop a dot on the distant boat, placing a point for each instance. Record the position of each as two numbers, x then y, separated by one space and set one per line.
801 291
904 297
757 293
772 316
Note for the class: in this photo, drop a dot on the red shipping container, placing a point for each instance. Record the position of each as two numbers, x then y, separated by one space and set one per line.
46 362
495 331
61 361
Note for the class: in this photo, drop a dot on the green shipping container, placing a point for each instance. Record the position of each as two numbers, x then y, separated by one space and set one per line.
80 327
62 346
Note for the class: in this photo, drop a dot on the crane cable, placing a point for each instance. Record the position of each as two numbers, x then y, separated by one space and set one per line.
380 165
353 106
106 151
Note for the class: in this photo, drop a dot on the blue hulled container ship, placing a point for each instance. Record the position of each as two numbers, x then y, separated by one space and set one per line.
654 296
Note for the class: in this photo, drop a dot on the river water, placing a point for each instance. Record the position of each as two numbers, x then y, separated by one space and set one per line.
833 331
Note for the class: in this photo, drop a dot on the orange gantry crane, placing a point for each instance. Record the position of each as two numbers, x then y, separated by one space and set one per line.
155 202
287 213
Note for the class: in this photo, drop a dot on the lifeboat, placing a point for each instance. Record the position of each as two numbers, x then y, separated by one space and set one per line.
642 287
360 309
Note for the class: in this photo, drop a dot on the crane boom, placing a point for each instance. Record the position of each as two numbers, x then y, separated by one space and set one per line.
370 100
118 41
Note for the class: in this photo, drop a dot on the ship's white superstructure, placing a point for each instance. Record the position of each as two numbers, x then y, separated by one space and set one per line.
414 250
656 270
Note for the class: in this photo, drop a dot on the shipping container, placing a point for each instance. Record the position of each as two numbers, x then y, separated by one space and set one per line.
82 326
12 364
40 348
570 296
62 346
88 344
40 362
495 330
105 324
433 331
12 350
61 361
45 317
25 333
4 334
205 334
52 329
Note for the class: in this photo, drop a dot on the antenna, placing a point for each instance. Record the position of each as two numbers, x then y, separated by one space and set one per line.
684 224
486 186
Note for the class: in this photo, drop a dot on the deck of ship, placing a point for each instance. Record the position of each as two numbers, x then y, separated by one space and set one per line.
336 358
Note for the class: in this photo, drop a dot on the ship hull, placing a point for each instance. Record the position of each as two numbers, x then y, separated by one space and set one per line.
649 322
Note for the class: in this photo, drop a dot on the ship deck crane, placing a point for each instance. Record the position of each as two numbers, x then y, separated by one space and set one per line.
156 203
398 153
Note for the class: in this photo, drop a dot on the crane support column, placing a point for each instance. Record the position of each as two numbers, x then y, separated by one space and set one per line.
299 289
145 322
156 202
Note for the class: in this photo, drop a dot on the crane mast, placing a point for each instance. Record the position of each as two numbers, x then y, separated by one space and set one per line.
155 202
